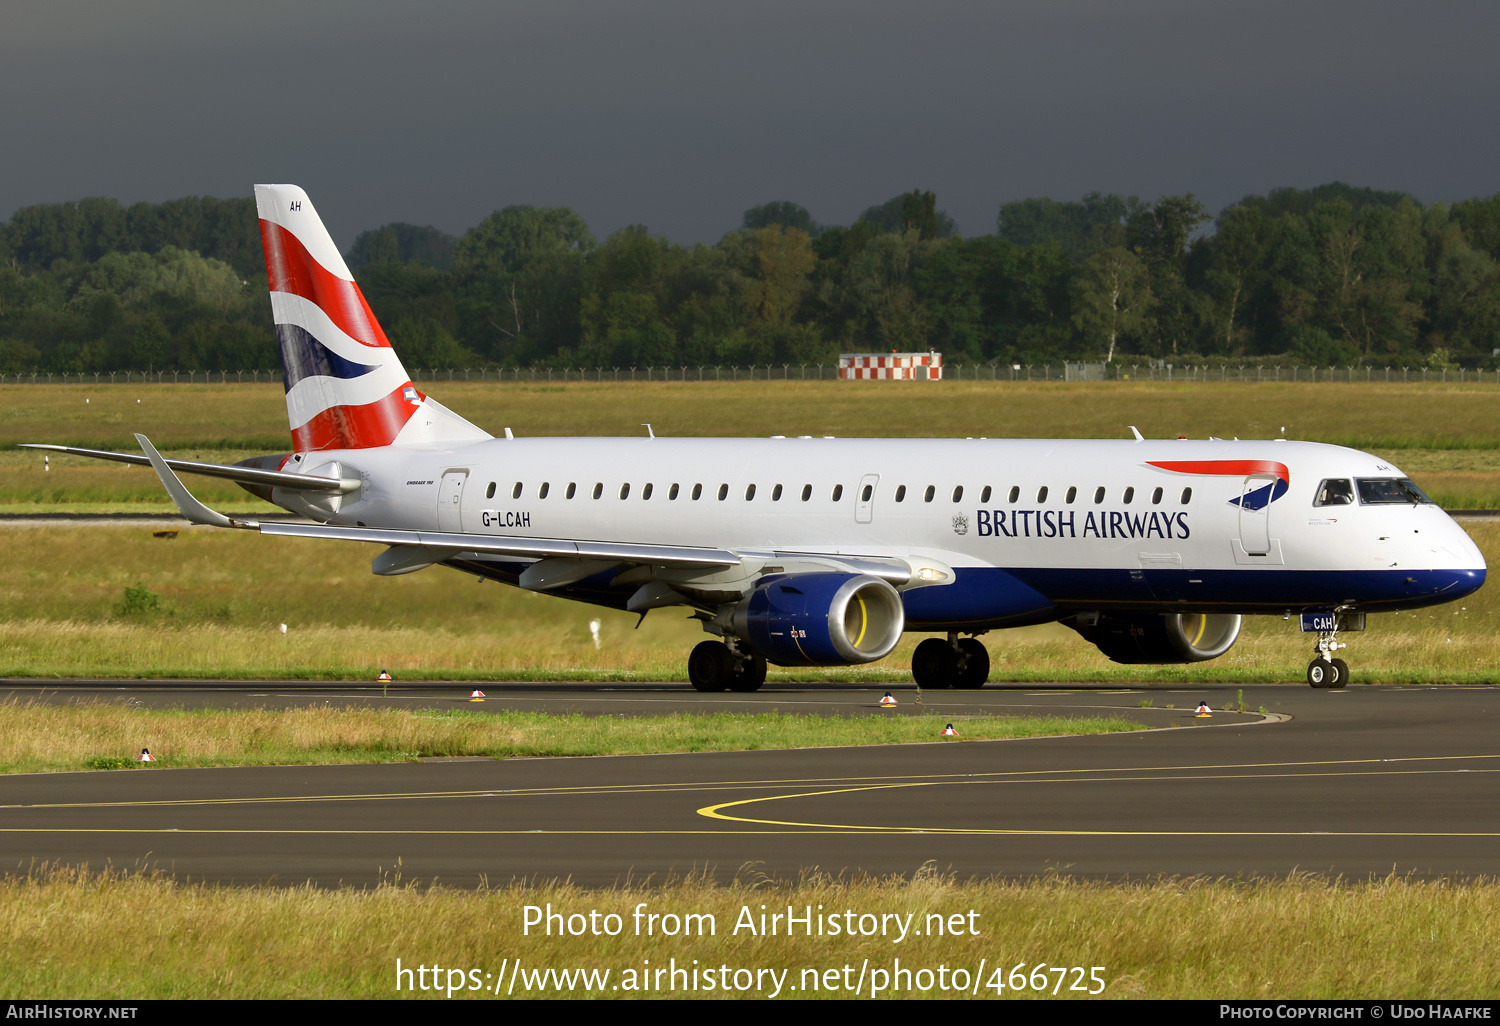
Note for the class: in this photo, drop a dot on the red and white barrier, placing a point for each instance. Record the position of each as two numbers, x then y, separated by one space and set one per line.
891 366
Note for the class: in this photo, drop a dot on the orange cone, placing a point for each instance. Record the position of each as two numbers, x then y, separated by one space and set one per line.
948 731
145 756
476 695
888 701
384 676
1204 710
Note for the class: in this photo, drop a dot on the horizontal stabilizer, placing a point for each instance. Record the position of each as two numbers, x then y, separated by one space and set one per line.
247 475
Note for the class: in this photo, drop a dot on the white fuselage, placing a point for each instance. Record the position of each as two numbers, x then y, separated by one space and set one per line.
1090 524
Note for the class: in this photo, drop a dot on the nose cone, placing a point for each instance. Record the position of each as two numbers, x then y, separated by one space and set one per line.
1457 544
1462 559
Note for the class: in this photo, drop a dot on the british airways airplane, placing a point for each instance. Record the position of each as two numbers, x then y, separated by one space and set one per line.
819 551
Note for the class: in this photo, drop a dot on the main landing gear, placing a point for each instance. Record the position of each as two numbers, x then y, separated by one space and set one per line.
716 666
954 663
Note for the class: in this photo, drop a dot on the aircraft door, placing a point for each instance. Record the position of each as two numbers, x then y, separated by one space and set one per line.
1255 513
450 500
865 510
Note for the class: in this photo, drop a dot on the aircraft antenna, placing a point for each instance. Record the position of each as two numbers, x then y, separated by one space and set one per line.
1138 436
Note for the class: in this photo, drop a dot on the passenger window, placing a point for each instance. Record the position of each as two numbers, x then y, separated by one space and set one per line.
697 492
929 493
489 493
1187 496
1156 497
1072 494
572 489
723 492
1098 495
624 491
749 492
901 493
1335 492
1015 492
984 496
958 494
864 496
806 492
646 492
838 492
598 489
515 493
1041 494
541 493
776 494
672 492
1129 494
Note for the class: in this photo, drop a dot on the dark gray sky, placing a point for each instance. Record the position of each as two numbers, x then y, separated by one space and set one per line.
680 115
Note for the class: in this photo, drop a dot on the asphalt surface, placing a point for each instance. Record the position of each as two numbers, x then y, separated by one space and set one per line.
1366 781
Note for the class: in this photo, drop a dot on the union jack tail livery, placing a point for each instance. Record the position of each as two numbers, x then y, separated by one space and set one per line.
345 386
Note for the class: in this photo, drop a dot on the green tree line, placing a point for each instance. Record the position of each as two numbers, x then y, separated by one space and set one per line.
1333 275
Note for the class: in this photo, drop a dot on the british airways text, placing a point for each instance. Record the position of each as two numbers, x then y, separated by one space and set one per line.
1052 523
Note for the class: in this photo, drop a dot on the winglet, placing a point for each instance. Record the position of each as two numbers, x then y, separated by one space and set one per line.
188 506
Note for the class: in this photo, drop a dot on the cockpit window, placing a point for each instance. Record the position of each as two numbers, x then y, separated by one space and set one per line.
1336 491
1375 491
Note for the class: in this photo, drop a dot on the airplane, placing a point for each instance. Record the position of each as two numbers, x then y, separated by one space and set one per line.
812 551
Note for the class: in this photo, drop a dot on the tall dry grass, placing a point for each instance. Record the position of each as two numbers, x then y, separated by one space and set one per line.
68 933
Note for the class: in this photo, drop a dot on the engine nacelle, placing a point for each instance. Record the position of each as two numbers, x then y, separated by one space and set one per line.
1161 638
820 619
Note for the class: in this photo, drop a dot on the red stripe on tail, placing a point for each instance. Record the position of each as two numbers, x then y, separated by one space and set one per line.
292 268
356 427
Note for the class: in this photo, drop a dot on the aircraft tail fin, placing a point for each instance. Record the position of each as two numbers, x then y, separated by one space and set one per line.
345 385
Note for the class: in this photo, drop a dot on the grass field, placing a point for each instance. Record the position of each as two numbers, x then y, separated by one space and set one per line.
221 596
68 933
39 737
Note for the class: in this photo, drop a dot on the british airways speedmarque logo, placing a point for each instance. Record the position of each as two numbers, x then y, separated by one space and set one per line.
1257 499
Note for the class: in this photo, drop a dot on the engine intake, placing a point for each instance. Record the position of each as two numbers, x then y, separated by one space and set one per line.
1165 638
821 619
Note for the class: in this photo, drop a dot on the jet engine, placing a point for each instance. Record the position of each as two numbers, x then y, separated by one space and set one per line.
820 619
1162 638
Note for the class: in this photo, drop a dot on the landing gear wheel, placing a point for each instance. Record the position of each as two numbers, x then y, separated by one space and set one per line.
1342 669
976 663
750 674
1327 673
711 666
934 664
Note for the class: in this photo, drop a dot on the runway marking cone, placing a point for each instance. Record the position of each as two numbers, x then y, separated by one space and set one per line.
948 731
145 756
888 701
476 695
384 677
1204 710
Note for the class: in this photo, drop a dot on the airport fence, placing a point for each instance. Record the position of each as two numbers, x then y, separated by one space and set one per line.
1220 372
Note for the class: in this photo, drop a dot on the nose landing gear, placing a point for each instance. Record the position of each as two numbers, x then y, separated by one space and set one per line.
1326 670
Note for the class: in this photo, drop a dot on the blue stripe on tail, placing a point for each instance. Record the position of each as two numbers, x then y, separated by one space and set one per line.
303 356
